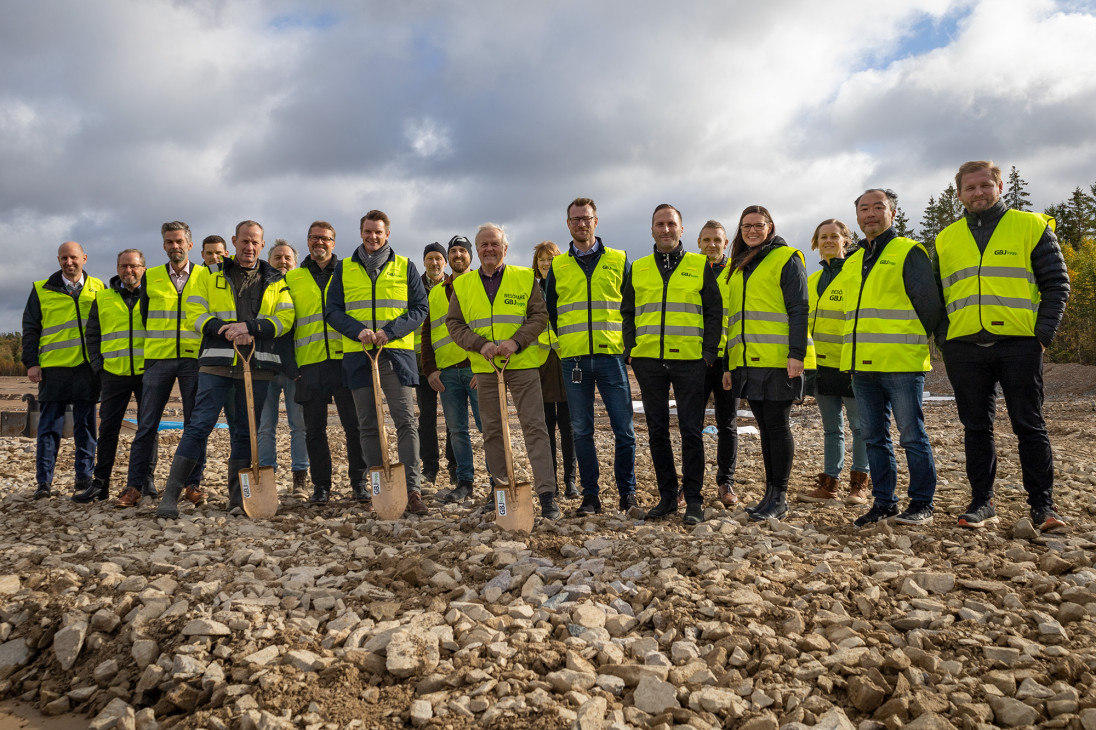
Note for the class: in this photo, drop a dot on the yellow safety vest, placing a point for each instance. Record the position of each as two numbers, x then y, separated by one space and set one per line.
167 333
376 307
314 340
669 312
63 342
827 320
882 331
757 326
121 334
548 341
446 352
500 319
588 313
993 290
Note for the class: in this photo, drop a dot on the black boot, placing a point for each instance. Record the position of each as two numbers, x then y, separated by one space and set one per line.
360 489
764 503
570 490
180 472
235 499
320 495
667 505
776 508
98 489
549 510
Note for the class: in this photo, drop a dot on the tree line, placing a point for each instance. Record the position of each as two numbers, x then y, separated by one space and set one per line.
11 350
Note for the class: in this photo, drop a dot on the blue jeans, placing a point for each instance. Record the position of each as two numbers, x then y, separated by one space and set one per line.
877 394
156 385
51 422
213 391
833 426
268 449
455 399
609 374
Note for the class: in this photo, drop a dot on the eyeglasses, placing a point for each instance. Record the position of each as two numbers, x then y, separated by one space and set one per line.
325 239
587 219
754 226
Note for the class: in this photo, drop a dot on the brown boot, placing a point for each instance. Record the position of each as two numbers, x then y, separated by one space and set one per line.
825 489
727 495
859 488
130 498
300 481
681 498
194 495
415 504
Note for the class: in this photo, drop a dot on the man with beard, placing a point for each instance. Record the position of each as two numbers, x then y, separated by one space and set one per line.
433 264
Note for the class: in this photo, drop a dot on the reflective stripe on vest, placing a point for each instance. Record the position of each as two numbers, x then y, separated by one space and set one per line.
757 327
669 312
588 317
376 307
122 338
882 332
313 340
827 320
446 352
167 333
63 342
214 298
500 319
993 290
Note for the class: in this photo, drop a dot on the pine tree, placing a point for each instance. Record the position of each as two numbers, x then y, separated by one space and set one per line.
1016 194
902 224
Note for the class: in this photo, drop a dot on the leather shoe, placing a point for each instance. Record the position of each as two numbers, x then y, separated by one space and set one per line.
694 514
194 495
43 492
97 490
130 498
81 485
727 495
415 505
320 495
548 508
570 490
461 492
591 505
667 505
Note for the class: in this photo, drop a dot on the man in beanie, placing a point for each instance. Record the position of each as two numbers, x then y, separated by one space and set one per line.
433 264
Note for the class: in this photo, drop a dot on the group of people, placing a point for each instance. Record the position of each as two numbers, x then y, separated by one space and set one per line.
738 320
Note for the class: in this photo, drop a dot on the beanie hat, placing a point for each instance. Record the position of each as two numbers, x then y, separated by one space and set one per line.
463 243
435 246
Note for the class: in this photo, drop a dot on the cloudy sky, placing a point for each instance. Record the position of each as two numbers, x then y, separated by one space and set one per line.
118 115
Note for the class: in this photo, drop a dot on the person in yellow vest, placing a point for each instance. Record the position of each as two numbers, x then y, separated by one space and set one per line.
497 314
672 313
377 299
448 372
552 382
582 293
171 357
434 258
764 291
116 347
55 355
244 302
712 241
1005 285
892 305
318 349
833 388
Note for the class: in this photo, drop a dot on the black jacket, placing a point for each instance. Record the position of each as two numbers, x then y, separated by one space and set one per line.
58 384
132 299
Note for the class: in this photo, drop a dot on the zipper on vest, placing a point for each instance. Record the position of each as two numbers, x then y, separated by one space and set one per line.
80 324
662 323
590 305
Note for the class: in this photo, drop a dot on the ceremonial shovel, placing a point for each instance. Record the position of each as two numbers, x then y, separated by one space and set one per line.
387 483
257 486
513 502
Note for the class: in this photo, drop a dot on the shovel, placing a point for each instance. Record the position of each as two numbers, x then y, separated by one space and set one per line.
257 484
387 483
513 502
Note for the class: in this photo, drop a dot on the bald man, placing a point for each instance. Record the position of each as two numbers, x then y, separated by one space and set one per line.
56 355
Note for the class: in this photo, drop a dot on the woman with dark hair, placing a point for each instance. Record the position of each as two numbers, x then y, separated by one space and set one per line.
556 413
765 295
832 388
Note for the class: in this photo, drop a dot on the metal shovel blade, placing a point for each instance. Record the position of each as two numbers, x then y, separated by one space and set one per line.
514 507
389 491
260 492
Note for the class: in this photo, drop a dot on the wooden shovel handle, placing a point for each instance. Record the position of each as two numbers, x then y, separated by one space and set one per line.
250 393
375 357
504 418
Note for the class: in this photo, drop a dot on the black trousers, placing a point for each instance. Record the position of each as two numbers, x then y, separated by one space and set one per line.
975 372
726 423
557 415
655 378
777 445
427 400
317 386
115 393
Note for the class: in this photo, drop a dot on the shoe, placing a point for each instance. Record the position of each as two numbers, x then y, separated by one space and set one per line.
918 513
727 495
181 467
97 490
81 485
194 495
591 505
825 489
430 476
764 503
300 481
461 492
360 491
980 513
681 504
630 506
570 490
43 492
694 514
149 490
1047 519
667 505
549 510
415 504
877 513
320 495
129 498
773 509
859 488
235 496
